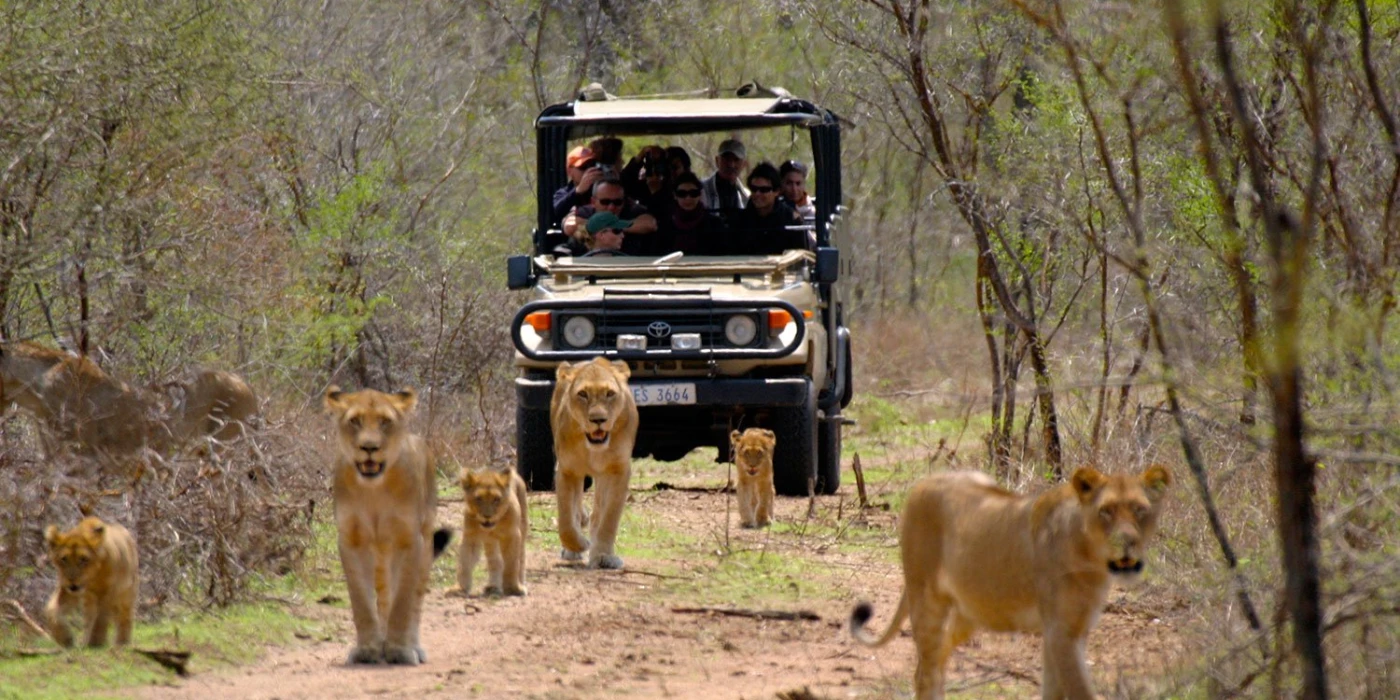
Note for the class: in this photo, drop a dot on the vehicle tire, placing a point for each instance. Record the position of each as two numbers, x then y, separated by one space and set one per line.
795 457
534 448
828 457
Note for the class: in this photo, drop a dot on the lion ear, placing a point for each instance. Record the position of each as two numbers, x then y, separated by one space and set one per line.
564 372
1086 481
98 529
734 436
51 535
406 398
768 434
1156 479
466 477
622 368
333 397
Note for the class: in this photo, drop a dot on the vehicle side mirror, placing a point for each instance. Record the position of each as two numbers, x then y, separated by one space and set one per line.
828 267
518 272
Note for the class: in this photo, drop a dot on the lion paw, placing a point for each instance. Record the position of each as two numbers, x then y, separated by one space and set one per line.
605 561
365 655
491 590
515 590
404 656
570 555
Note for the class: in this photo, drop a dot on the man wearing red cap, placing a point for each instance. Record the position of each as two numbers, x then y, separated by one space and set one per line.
582 170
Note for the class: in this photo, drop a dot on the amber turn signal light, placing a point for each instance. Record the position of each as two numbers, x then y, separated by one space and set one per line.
539 320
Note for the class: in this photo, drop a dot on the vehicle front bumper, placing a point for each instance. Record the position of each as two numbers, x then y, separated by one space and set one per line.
780 391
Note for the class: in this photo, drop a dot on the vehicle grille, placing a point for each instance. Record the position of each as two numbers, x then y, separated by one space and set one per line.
659 325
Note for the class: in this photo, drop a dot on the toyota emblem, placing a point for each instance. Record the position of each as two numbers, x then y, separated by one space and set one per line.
659 329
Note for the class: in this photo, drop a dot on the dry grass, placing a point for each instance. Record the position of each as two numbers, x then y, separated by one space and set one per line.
208 527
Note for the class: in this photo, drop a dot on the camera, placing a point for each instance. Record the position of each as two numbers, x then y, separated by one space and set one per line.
607 170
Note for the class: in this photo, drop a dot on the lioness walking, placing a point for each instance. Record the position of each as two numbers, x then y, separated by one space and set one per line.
977 556
385 488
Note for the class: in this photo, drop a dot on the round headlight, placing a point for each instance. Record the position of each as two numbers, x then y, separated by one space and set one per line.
578 331
740 330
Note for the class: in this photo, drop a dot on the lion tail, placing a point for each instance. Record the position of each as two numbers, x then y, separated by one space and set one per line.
441 537
862 613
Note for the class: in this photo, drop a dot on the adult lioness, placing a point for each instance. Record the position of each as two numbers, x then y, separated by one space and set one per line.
594 420
385 488
979 557
212 403
79 405
22 368
97 570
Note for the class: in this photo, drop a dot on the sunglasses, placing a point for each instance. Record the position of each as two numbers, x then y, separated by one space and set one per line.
687 194
611 202
763 189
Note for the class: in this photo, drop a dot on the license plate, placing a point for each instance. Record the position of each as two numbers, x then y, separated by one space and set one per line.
664 394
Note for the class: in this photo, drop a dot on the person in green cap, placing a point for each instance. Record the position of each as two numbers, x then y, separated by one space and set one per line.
606 231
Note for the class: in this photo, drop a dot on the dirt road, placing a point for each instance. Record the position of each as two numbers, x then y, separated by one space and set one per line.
592 634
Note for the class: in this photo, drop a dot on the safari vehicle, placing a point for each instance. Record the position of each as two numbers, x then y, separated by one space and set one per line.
714 343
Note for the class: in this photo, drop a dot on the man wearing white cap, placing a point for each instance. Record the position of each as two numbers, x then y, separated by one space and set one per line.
724 192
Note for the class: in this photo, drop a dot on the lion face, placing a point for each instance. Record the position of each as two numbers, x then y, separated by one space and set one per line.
753 450
75 552
370 426
487 492
596 394
1121 513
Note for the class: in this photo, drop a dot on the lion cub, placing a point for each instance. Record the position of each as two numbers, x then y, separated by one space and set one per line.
97 567
753 459
496 521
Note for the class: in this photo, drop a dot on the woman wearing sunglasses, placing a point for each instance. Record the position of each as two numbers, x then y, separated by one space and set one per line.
693 229
762 228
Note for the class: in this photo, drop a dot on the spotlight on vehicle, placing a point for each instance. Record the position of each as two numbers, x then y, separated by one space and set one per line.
628 341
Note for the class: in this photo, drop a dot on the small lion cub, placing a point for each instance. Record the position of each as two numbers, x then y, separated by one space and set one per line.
753 459
497 521
97 567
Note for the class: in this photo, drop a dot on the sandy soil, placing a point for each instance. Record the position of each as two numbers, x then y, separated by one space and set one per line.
591 634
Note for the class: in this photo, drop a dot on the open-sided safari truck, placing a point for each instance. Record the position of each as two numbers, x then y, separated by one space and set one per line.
714 343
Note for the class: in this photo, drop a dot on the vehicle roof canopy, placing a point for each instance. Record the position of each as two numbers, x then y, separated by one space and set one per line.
625 117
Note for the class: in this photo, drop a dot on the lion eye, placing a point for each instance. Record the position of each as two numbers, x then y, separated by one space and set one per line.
1142 512
611 393
582 394
355 422
1106 514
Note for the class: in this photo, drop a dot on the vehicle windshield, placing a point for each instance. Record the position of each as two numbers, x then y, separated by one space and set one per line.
698 178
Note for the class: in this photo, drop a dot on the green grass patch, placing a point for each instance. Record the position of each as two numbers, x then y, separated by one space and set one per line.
217 639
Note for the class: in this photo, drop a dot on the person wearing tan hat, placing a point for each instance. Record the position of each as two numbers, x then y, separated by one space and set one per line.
583 173
725 191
